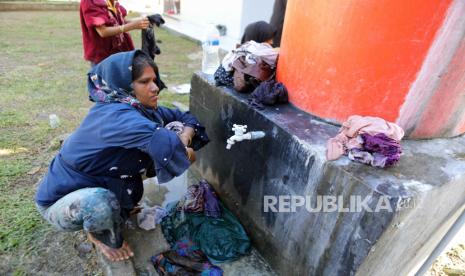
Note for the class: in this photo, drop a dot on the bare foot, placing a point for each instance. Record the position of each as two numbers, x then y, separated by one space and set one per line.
113 254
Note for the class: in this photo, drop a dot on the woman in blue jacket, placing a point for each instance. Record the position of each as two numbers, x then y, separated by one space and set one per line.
95 181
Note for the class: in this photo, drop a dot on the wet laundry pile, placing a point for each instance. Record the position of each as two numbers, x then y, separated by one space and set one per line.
369 140
209 231
185 258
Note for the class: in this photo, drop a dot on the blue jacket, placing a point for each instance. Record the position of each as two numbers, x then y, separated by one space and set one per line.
113 146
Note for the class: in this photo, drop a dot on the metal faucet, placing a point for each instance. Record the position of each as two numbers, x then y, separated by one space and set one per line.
240 134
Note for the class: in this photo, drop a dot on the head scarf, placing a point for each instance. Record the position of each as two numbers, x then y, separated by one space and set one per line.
259 32
110 80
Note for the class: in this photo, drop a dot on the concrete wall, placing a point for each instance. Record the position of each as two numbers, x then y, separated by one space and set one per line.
426 190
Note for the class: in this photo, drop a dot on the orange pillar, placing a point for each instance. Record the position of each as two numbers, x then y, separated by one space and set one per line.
396 59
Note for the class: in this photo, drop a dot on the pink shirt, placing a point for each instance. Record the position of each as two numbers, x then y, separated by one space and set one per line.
95 13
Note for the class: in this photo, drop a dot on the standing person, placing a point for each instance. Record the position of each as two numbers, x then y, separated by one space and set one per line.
277 20
95 181
104 29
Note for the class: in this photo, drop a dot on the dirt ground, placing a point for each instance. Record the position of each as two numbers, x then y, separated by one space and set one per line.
452 261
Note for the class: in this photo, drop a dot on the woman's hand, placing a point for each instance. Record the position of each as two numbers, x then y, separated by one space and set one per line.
107 31
141 23
187 135
190 155
185 139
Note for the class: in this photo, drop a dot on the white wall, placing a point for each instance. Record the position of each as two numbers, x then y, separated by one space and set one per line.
197 14
224 12
234 14
143 6
255 10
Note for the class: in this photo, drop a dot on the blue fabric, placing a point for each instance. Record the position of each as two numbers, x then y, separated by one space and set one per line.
95 210
110 80
103 150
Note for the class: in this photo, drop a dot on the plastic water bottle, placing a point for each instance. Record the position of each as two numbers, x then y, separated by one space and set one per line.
210 46
54 120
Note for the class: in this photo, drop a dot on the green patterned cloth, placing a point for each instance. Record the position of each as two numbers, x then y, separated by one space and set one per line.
221 239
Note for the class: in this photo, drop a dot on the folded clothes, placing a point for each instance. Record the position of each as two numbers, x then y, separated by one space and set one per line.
380 136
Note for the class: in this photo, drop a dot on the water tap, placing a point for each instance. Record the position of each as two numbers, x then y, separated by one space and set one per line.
240 134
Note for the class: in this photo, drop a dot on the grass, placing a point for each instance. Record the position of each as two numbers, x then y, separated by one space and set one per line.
42 72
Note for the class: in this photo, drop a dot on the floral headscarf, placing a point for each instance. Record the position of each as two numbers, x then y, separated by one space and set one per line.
110 80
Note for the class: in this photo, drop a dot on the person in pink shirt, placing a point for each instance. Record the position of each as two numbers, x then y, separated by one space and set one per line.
104 29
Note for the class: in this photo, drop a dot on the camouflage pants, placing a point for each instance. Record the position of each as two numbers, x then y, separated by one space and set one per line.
95 210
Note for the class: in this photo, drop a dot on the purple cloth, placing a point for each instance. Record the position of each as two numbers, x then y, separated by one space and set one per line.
377 150
268 93
382 146
211 206
360 156
373 159
201 198
193 199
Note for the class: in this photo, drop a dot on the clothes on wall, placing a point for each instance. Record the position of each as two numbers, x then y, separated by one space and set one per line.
253 52
369 140
268 93
248 65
